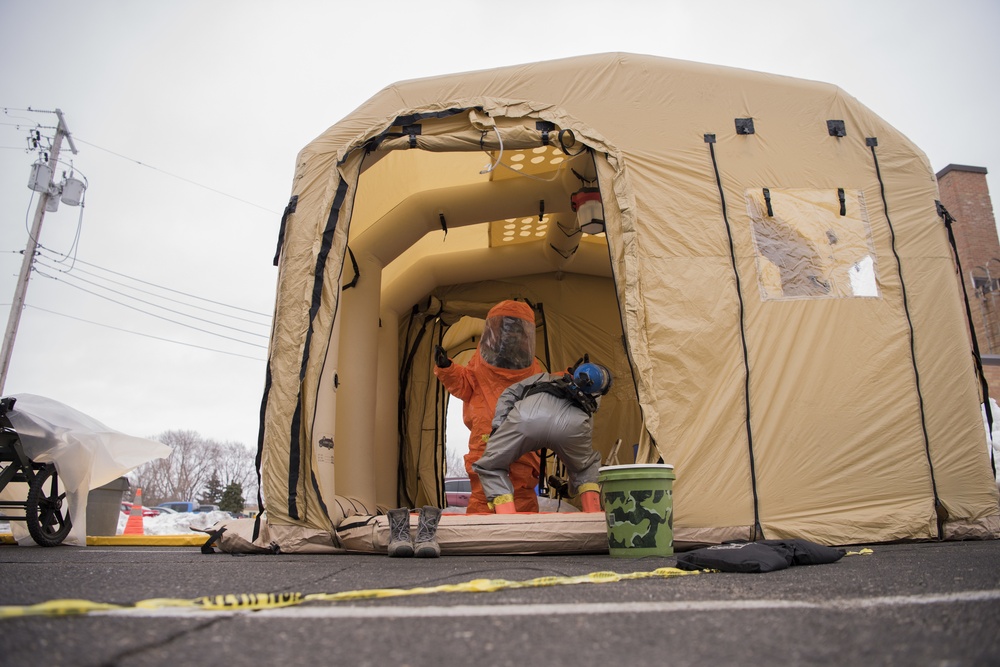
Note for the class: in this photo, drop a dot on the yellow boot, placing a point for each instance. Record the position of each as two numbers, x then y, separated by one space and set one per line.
504 504
590 500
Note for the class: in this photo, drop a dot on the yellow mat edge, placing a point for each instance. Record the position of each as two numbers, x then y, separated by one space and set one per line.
192 540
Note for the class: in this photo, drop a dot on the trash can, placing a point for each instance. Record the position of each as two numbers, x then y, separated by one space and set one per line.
104 506
639 508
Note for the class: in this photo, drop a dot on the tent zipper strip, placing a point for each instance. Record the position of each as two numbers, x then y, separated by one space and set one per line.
440 434
331 222
543 482
939 509
404 379
294 445
976 352
260 448
757 528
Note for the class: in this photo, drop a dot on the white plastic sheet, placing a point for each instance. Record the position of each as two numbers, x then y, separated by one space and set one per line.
86 453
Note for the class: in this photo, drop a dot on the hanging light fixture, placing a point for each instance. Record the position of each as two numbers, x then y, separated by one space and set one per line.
586 203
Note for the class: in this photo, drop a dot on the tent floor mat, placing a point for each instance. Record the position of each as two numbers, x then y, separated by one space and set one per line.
522 533
457 535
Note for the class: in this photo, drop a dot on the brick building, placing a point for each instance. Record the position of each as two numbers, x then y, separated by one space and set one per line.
965 194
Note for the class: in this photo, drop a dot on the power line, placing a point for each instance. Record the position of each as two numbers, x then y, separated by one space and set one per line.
146 312
154 294
168 289
180 178
148 303
144 335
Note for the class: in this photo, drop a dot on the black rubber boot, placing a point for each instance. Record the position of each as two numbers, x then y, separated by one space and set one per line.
400 545
425 545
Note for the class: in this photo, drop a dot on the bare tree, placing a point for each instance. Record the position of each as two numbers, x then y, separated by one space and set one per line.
234 462
194 460
454 463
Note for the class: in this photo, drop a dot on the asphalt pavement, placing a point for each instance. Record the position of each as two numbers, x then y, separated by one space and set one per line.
904 604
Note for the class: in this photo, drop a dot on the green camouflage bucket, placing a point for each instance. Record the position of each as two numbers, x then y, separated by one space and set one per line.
639 506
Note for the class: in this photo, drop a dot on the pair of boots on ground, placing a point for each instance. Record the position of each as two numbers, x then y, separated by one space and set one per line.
424 546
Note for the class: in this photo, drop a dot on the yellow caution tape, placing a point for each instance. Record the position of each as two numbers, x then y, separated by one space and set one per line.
57 608
257 601
251 601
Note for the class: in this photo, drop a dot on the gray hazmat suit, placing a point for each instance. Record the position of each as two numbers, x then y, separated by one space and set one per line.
527 419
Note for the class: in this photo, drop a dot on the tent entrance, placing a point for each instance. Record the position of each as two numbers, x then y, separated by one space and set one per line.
438 236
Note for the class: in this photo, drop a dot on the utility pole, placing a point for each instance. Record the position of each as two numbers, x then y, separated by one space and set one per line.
29 252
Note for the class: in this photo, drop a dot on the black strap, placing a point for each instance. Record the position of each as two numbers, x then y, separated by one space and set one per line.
758 529
767 200
289 209
545 127
412 131
977 357
564 145
444 224
843 201
564 388
350 524
206 548
942 513
405 122
357 271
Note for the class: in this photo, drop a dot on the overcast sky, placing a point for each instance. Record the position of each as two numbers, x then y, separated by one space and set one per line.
187 117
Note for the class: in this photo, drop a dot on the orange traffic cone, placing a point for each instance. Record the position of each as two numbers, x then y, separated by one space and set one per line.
134 525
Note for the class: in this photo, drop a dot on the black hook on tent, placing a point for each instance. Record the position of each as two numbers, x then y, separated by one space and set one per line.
357 271
289 209
583 179
564 255
444 224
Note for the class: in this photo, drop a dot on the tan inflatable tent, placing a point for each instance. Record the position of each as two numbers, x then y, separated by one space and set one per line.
773 288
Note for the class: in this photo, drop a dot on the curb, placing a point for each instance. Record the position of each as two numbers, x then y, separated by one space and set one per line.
192 540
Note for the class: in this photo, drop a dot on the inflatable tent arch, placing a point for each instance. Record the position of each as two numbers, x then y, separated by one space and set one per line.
773 264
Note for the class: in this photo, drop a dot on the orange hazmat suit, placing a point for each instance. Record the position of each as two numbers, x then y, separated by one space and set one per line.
505 355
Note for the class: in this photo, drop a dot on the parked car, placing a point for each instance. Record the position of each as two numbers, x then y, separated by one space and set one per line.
146 511
179 506
201 509
162 509
457 491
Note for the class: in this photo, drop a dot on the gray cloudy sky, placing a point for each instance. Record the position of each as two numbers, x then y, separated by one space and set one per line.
188 116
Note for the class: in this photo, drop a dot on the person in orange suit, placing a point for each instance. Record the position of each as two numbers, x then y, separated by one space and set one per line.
505 355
